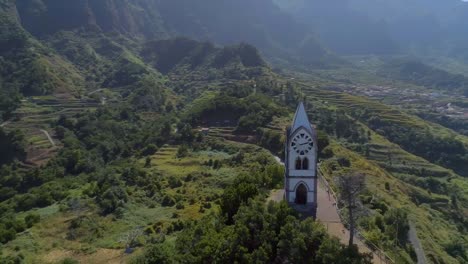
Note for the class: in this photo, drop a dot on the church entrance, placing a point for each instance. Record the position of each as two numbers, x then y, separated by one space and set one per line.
301 194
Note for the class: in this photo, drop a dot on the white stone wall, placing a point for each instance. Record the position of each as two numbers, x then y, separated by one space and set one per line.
294 183
292 156
303 173
308 177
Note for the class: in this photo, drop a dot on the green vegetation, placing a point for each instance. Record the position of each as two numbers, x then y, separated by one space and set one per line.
258 234
114 140
12 146
416 72
434 143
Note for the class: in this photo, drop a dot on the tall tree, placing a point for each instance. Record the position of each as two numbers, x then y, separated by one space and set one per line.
351 185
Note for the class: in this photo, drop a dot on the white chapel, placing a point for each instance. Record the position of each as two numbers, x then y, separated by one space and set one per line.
301 164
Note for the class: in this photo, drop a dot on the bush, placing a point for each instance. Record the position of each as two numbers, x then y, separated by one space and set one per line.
174 182
32 219
157 254
112 198
167 201
344 162
182 151
180 206
150 150
69 261
6 234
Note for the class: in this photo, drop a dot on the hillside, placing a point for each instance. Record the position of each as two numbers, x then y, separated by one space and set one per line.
134 171
147 19
416 72
148 131
164 175
28 67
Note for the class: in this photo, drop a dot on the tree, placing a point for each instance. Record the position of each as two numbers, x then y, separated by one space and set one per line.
148 162
131 238
351 185
397 225
150 150
182 151
32 219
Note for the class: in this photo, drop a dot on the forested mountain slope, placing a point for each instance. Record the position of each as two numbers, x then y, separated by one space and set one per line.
260 23
46 40
151 122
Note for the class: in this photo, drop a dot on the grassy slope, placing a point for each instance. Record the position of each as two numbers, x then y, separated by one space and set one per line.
100 242
433 229
432 218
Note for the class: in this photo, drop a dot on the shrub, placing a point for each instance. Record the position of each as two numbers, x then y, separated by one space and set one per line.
69 261
168 201
150 150
112 198
344 162
32 219
182 151
174 182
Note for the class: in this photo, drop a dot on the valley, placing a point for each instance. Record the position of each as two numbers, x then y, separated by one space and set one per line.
155 131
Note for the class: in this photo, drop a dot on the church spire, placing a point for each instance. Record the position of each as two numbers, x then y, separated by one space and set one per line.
301 119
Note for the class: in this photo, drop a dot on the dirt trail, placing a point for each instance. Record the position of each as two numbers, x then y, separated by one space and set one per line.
413 238
49 137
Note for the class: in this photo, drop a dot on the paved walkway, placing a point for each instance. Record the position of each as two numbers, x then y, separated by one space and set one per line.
327 214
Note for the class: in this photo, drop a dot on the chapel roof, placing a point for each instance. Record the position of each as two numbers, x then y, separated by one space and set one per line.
301 120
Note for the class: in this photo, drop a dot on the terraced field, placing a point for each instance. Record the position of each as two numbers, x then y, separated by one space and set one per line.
355 104
431 227
387 154
33 119
394 175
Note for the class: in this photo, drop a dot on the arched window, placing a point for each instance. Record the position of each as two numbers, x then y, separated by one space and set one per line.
301 194
305 164
298 163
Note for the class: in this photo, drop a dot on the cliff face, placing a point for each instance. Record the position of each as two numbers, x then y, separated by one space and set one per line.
260 23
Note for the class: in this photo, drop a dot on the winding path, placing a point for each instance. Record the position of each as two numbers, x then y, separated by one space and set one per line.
48 137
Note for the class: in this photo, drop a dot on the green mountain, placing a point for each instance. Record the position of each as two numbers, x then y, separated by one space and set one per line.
262 24
27 65
147 127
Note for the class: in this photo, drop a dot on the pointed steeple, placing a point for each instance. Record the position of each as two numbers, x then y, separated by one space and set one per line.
301 119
